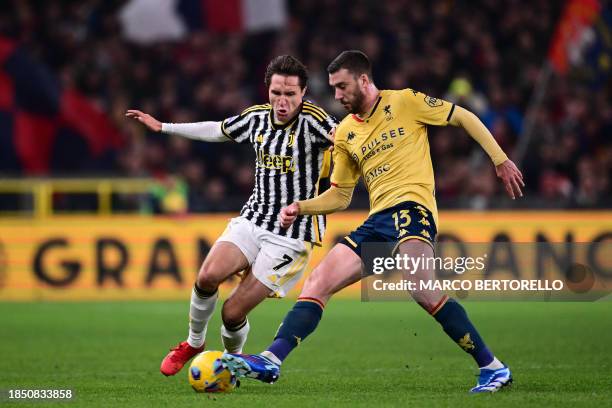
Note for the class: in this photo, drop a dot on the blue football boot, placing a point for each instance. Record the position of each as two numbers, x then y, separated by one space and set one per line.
493 380
252 366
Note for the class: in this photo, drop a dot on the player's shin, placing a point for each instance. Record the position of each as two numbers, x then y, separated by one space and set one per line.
200 310
234 337
456 324
298 324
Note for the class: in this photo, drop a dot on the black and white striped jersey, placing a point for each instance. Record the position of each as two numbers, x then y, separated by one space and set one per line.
290 160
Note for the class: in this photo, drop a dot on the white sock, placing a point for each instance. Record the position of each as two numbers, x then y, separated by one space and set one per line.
493 365
200 311
270 356
234 340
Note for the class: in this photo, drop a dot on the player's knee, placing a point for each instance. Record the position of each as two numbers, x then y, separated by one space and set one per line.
209 278
232 314
427 299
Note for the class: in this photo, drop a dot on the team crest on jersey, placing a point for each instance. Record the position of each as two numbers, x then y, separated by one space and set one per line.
260 138
387 111
350 137
433 102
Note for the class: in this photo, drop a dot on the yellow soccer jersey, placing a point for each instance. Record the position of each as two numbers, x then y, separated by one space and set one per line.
390 150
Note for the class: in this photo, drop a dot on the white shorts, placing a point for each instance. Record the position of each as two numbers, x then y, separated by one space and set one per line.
277 262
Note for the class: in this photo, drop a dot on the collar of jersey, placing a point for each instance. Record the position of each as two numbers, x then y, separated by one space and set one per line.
285 125
358 119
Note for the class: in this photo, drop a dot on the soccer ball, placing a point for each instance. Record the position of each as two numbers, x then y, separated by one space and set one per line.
206 374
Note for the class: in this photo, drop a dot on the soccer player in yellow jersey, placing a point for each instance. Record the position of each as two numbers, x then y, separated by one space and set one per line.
384 140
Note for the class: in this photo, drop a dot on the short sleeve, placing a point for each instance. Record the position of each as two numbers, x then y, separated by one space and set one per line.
346 172
427 109
236 128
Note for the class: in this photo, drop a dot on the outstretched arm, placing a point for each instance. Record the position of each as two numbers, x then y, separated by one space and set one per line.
504 167
333 200
205 131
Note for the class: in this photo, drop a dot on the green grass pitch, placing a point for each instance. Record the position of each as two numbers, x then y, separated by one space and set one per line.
363 354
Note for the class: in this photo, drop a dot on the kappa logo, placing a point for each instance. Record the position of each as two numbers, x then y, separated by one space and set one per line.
424 222
466 342
433 102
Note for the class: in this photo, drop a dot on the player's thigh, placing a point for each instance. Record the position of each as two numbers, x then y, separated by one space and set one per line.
247 295
233 251
281 262
340 268
415 248
223 260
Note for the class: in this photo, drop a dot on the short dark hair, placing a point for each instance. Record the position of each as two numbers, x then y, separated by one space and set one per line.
289 66
355 61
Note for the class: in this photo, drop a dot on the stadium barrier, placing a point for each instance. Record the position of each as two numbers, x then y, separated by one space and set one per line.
39 193
133 257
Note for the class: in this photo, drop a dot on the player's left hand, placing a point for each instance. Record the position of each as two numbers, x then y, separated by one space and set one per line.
289 214
512 178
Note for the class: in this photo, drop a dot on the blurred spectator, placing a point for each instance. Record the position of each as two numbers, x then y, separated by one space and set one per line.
169 195
484 55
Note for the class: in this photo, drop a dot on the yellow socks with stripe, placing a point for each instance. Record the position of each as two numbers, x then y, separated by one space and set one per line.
200 310
298 324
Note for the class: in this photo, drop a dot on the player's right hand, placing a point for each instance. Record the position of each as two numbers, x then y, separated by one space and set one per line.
146 119
289 214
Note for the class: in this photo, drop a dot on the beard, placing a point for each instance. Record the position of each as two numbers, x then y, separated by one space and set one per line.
357 103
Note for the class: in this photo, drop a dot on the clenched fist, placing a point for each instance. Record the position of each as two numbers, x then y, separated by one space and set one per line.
289 214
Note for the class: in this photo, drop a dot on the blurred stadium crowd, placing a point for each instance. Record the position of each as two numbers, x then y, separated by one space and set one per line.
484 55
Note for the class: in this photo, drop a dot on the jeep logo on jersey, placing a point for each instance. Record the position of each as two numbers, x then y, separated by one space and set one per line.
275 162
372 174
433 102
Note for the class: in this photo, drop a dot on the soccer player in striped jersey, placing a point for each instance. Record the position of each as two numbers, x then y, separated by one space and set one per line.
290 137
384 141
